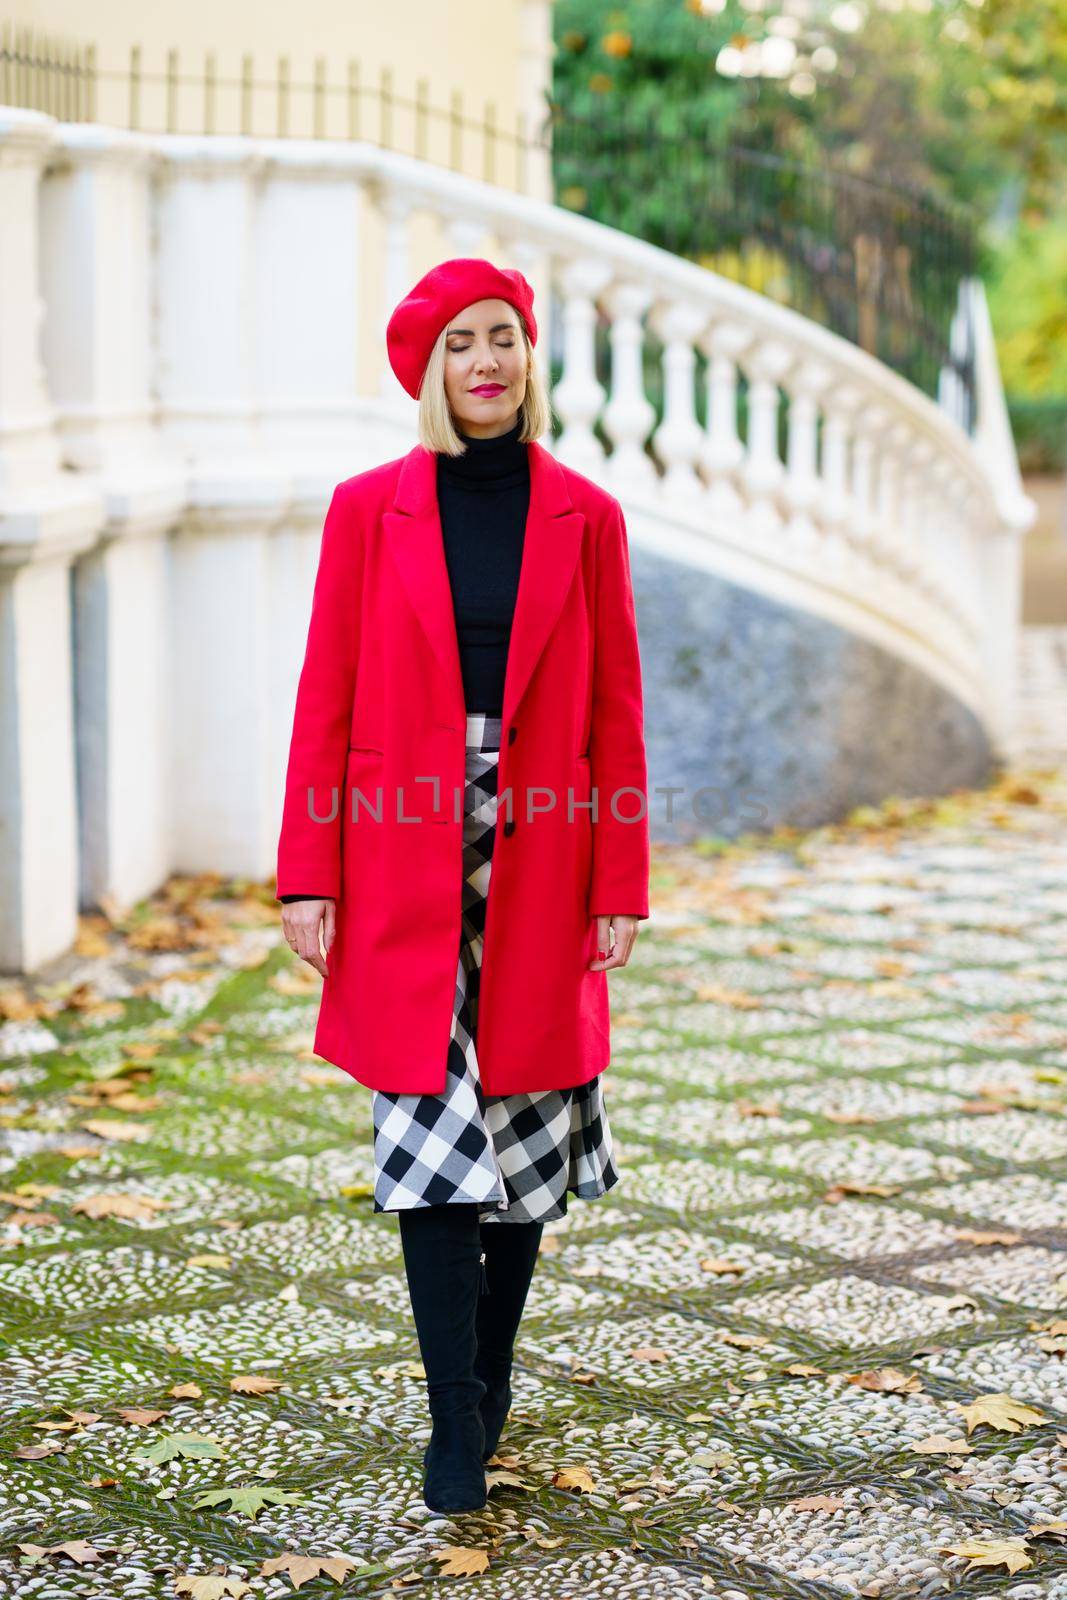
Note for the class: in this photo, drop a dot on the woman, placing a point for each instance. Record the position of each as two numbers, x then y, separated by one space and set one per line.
473 585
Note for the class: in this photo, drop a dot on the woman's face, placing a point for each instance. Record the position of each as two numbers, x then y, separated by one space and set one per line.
484 349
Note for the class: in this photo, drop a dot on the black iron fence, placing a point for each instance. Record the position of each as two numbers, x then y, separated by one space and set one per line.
879 265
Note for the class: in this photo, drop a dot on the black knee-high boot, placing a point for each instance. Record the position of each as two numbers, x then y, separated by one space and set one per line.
442 1259
510 1257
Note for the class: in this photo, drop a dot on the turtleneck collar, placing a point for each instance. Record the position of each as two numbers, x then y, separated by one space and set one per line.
491 461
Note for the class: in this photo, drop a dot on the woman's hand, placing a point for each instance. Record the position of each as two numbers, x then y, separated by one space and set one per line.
625 935
300 924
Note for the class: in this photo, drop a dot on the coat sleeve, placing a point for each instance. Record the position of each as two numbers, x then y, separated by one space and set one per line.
619 880
309 850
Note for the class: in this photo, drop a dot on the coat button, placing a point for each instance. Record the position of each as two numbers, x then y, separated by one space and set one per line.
509 826
512 732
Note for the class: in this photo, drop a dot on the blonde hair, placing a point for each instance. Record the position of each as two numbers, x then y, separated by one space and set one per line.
437 428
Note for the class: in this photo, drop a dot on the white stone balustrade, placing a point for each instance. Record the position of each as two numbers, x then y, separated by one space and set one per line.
212 316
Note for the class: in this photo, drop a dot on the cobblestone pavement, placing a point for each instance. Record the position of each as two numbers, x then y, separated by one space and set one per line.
812 1344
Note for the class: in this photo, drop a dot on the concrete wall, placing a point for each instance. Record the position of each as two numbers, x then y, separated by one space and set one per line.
783 717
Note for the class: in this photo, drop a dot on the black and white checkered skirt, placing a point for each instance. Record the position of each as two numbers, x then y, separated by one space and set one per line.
515 1155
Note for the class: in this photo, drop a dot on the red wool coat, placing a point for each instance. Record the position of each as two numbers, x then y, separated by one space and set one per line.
380 706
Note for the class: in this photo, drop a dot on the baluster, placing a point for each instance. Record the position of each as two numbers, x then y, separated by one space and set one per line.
679 437
629 415
923 516
941 533
578 396
762 471
887 499
802 486
870 424
840 406
903 552
723 450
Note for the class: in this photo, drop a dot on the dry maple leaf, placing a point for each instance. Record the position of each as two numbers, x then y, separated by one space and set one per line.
889 1380
27 1202
650 1353
126 1132
134 1206
157 933
837 1191
1010 1553
959 1302
204 1032
83 997
16 1006
724 996
139 1416
221 1263
817 1502
504 1476
186 1391
574 1478
302 1569
1000 1411
255 1383
461 1561
79 1550
801 1369
136 1102
742 1341
210 1586
766 1108
977 1236
720 1265
74 1419
939 1444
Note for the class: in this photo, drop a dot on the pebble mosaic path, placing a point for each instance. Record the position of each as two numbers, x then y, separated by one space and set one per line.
812 1345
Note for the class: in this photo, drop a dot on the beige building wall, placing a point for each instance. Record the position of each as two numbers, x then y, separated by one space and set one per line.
488 60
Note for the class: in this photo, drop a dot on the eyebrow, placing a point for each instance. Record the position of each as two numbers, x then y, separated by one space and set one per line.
498 327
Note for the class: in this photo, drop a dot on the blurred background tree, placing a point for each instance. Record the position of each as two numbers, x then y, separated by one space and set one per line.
964 101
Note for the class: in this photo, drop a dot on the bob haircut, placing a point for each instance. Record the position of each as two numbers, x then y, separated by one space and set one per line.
437 429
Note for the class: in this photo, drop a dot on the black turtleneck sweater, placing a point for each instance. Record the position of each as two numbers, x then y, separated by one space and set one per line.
484 498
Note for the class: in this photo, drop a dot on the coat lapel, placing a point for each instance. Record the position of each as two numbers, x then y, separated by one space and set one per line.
551 544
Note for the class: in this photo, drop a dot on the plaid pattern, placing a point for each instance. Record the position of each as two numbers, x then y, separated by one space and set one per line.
516 1155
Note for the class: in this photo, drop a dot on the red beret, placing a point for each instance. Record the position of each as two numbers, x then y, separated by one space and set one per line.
445 290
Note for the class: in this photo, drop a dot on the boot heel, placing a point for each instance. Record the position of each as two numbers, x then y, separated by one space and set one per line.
455 1477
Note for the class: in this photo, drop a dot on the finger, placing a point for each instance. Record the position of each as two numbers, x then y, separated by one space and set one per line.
329 925
603 944
307 948
624 943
